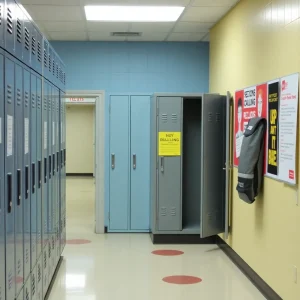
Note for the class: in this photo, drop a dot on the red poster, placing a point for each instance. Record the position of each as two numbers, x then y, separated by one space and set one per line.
249 103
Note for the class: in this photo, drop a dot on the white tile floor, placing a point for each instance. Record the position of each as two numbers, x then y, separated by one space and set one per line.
121 266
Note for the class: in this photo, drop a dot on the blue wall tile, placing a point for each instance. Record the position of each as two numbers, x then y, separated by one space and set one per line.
131 68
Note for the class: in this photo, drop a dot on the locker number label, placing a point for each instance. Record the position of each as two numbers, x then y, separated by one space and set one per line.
169 143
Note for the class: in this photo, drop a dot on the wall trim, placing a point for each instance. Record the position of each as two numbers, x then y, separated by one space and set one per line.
260 284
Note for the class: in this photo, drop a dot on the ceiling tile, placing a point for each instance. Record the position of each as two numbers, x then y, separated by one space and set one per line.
103 36
192 27
215 2
150 36
204 14
107 26
186 37
51 2
153 27
206 38
135 2
64 26
68 36
55 13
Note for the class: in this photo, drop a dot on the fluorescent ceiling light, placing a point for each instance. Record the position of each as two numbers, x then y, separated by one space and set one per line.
133 13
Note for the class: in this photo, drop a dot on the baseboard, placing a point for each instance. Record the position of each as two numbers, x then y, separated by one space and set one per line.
181 239
260 284
53 278
80 174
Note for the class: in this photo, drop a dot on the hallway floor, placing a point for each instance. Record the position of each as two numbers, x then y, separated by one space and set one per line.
122 266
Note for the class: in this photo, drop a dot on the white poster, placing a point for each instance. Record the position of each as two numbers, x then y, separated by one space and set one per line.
10 135
288 111
26 135
53 133
45 136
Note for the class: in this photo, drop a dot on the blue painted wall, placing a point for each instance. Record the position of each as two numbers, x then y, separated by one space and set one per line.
146 68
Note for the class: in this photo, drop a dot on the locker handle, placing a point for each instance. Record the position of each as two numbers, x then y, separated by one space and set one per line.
65 156
26 182
53 168
33 178
9 193
50 166
19 187
134 161
62 159
45 169
113 160
40 174
162 164
57 161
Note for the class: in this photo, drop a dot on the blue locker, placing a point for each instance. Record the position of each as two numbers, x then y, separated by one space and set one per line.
9 178
2 211
19 146
19 32
119 163
26 174
39 166
10 22
26 40
2 24
33 169
46 59
33 47
39 51
140 163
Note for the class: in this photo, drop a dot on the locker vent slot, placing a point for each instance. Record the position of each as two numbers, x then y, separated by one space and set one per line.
9 21
45 103
163 211
164 118
27 45
64 78
45 260
53 243
19 267
39 52
19 98
27 256
27 294
56 70
19 31
39 102
33 45
33 100
50 65
26 98
0 25
39 273
173 211
33 285
174 118
45 58
210 117
9 93
53 67
218 117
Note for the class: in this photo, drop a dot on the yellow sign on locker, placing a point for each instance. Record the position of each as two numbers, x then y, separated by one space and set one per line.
169 144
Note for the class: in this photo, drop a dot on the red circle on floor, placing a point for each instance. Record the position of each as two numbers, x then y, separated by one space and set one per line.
77 242
182 279
167 252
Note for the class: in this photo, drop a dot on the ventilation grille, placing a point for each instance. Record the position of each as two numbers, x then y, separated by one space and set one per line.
53 67
19 31
27 38
45 58
19 98
33 45
9 93
163 211
9 21
0 25
210 117
26 98
218 117
174 118
126 34
45 260
39 52
50 64
27 294
39 271
56 70
173 211
164 118
33 284
33 100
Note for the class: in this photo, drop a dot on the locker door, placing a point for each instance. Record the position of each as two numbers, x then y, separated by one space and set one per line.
2 25
119 163
26 173
33 173
19 32
140 163
9 178
64 168
26 41
19 146
212 214
39 166
2 211
9 32
169 167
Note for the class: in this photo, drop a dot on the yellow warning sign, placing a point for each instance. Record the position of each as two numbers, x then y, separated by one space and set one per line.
169 144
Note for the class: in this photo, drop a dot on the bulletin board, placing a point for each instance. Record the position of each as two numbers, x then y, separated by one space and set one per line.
277 102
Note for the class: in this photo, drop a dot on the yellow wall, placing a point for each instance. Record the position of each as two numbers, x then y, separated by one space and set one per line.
80 138
256 42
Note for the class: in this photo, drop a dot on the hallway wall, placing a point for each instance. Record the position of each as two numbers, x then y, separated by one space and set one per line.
257 41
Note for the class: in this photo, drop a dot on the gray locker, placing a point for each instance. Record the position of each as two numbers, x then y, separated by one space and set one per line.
19 32
10 22
2 25
189 181
10 190
26 173
39 52
2 212
26 40
33 168
19 148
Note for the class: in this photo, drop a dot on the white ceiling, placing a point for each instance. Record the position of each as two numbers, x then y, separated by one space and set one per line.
65 20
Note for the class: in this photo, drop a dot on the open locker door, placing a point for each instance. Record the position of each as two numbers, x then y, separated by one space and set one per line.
214 170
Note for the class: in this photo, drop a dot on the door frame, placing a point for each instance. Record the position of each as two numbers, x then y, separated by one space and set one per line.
99 95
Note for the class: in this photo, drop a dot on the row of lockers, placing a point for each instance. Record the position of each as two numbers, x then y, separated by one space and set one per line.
22 38
32 180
